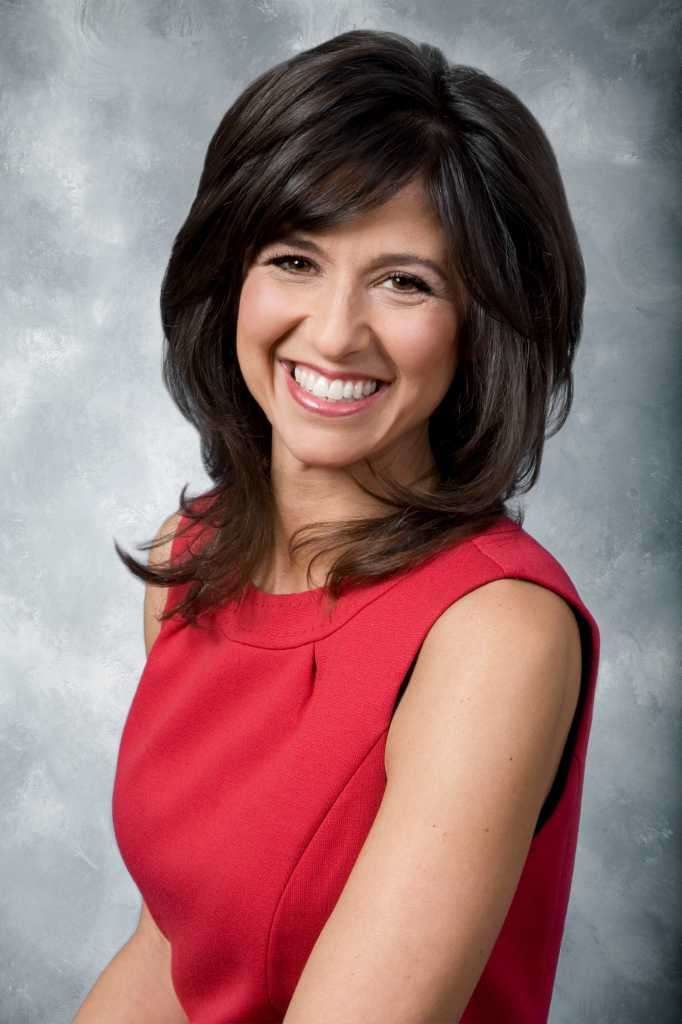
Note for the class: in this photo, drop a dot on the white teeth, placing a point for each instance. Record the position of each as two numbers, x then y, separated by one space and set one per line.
335 390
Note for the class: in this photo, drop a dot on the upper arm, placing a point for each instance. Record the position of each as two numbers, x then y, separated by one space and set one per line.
147 927
148 981
471 754
155 597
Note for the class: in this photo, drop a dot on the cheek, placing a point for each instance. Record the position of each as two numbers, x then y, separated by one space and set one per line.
425 348
262 309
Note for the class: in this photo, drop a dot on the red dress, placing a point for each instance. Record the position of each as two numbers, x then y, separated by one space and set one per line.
251 767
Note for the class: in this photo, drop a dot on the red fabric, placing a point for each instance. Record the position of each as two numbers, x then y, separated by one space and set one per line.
251 766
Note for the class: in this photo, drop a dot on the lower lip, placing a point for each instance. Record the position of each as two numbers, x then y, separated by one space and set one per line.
325 407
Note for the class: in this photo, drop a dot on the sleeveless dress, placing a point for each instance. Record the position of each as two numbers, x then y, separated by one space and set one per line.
251 767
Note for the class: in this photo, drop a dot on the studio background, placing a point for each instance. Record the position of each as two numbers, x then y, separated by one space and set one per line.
106 109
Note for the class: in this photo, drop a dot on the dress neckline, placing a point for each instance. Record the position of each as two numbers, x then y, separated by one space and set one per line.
278 621
264 619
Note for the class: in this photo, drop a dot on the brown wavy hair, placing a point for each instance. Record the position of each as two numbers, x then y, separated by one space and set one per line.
312 142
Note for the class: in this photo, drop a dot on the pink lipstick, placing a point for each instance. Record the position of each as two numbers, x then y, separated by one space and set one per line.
324 406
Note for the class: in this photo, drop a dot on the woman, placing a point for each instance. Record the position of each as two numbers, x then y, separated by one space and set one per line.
349 783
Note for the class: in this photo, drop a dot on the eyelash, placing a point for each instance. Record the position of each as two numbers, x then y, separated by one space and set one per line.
418 283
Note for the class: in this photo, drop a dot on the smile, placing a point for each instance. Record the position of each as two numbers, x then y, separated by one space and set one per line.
326 406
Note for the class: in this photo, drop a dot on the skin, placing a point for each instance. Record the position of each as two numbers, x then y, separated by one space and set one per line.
330 310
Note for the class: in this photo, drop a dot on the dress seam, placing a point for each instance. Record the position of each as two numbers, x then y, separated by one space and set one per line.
491 558
323 819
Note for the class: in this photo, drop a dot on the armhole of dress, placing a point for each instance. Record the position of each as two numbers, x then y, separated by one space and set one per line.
177 592
559 783
560 780
174 593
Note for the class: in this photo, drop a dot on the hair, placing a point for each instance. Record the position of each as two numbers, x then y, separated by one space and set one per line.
312 142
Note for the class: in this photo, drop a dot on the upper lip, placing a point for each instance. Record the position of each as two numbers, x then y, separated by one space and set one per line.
333 374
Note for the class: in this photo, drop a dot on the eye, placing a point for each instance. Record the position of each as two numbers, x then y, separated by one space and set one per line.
287 258
415 283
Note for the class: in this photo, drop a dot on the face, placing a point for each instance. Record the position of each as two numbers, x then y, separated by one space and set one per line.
343 302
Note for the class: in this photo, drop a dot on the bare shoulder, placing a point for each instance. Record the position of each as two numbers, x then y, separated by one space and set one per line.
507 639
155 597
507 605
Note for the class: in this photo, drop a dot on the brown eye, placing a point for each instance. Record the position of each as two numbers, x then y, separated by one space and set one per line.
415 282
283 258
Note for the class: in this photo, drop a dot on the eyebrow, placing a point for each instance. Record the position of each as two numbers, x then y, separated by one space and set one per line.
379 261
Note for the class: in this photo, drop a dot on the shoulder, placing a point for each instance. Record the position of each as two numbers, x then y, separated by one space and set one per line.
508 644
507 607
155 597
520 554
165 534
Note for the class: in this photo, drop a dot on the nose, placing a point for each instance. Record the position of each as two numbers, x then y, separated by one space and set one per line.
339 324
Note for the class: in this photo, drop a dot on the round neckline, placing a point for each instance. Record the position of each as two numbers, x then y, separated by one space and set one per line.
264 619
278 621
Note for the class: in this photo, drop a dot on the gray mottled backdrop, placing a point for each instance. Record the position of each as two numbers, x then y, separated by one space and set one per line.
105 113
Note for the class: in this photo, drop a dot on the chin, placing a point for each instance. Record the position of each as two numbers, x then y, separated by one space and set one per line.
312 456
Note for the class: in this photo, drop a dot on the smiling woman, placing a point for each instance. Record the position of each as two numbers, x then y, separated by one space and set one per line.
349 785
